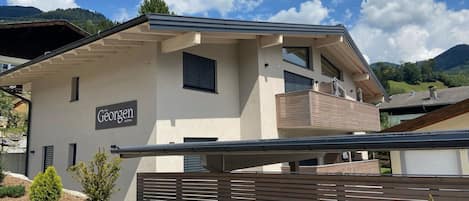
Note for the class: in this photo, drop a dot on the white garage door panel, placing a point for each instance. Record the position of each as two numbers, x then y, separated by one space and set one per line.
444 162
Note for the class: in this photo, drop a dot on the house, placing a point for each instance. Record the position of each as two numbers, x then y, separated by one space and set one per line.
39 37
407 106
160 79
434 161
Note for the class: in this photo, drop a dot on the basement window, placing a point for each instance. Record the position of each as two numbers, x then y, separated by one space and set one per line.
199 73
75 89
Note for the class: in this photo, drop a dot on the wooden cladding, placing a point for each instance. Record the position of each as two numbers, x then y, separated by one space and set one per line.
300 187
316 110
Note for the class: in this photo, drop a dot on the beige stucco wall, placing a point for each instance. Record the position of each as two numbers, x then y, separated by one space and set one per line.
243 108
57 121
459 122
190 113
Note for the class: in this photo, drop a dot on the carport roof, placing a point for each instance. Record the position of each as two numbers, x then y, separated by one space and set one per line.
382 141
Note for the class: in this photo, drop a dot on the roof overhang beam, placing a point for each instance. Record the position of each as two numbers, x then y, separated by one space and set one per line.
180 42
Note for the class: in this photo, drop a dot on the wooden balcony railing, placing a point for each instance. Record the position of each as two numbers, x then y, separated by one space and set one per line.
317 110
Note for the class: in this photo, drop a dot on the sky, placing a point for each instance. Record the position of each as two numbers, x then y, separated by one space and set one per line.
384 30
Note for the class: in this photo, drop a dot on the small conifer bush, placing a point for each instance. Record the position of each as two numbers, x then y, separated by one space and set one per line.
46 186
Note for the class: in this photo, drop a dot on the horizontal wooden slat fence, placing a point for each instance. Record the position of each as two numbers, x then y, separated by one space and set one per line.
297 187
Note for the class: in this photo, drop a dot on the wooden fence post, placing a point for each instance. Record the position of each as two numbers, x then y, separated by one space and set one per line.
224 188
140 187
178 189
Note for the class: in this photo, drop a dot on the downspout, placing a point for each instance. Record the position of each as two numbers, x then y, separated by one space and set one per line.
28 130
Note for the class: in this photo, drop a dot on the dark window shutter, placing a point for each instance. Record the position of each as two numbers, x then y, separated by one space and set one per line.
199 72
48 157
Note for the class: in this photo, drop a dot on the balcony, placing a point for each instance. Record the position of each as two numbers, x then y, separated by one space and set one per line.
320 111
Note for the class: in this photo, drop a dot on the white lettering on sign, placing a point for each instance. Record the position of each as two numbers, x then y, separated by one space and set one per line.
117 115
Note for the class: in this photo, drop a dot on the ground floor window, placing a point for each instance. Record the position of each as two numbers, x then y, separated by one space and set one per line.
72 154
48 157
193 163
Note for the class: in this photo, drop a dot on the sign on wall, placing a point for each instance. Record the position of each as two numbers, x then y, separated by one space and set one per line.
116 115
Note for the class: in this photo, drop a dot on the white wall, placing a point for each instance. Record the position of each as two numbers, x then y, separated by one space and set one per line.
57 121
191 113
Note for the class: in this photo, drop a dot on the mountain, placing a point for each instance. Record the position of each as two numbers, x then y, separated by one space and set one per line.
90 21
455 58
17 11
450 68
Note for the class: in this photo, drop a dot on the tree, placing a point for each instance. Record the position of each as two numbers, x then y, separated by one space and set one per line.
154 6
98 177
412 73
427 70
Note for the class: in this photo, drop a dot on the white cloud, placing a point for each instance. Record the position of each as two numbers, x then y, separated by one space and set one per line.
121 15
203 6
310 12
45 5
404 30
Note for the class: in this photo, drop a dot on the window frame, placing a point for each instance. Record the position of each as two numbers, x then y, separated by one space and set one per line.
308 60
202 89
341 74
75 89
285 81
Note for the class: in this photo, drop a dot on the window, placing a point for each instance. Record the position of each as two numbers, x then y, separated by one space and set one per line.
48 157
199 73
309 162
192 163
72 154
328 69
75 89
294 82
299 56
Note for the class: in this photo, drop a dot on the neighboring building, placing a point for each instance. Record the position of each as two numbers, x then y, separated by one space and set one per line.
161 79
407 106
22 41
446 162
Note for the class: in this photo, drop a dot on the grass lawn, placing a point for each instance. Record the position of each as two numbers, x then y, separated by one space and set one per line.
384 170
403 87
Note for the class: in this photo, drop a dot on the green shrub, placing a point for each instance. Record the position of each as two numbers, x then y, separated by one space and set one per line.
98 177
12 191
46 186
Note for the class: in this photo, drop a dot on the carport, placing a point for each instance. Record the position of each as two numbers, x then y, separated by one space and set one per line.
220 158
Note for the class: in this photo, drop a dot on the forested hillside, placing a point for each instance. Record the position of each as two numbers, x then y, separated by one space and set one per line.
450 68
88 20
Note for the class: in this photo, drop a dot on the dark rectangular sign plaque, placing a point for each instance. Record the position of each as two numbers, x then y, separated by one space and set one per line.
116 115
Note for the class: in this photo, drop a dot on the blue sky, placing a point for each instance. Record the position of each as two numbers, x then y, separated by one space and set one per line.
385 30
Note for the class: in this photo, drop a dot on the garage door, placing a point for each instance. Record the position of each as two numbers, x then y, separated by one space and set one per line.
442 162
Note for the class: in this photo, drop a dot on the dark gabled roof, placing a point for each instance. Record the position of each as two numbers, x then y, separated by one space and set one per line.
422 98
28 40
381 141
183 23
433 117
